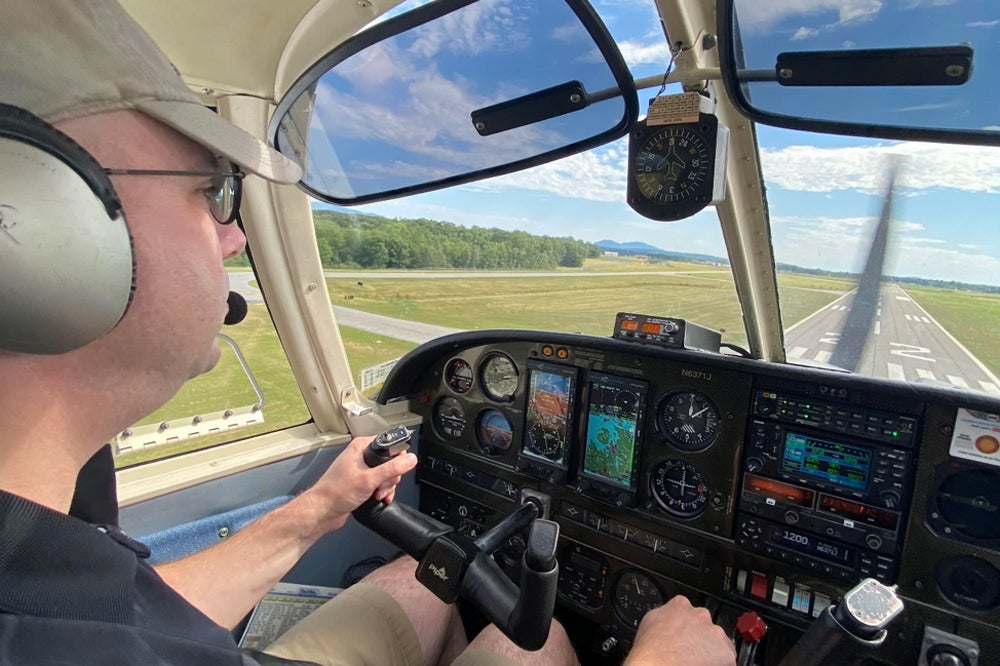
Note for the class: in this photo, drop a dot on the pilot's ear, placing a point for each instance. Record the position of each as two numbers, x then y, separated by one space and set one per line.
67 269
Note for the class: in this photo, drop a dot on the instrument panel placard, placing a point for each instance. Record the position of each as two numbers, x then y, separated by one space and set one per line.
976 437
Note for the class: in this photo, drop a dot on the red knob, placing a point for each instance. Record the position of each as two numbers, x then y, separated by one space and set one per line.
751 627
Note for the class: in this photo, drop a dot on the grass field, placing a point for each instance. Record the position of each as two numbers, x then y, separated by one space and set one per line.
227 385
587 304
563 303
972 317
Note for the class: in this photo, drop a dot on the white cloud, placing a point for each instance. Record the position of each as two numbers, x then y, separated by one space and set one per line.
804 33
942 263
912 4
841 244
488 25
982 24
761 15
637 53
862 168
569 32
597 175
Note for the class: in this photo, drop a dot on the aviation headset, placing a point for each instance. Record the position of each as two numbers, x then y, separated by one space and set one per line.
67 268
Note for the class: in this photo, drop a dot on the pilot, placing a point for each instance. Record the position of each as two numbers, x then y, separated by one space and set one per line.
75 589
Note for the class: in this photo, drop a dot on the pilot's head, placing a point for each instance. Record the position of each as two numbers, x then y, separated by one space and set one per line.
70 308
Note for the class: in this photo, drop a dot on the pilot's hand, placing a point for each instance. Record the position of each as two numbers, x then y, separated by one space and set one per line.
349 482
679 634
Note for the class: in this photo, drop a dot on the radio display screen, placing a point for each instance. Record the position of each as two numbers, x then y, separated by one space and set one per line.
857 511
548 414
809 544
843 465
778 491
614 421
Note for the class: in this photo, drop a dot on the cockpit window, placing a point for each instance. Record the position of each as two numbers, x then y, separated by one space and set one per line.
249 392
936 313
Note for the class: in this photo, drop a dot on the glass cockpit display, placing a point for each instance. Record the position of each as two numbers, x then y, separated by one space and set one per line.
840 464
549 413
614 421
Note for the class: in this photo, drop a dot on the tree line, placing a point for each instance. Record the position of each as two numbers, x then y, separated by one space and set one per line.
371 241
922 282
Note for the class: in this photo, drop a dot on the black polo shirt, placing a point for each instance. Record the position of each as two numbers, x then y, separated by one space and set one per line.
75 592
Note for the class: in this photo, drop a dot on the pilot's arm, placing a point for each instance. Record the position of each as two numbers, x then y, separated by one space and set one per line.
226 581
678 634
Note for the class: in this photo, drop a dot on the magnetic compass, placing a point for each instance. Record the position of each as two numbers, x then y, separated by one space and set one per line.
676 170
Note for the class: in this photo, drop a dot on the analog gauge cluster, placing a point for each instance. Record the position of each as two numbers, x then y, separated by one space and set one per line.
458 375
679 488
472 412
635 595
449 418
494 432
688 421
499 377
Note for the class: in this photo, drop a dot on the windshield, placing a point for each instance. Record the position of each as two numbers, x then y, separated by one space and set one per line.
557 248
939 302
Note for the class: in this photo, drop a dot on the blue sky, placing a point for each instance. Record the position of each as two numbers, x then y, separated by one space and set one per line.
823 191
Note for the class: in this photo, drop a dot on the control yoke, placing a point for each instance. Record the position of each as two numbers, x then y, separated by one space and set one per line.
453 566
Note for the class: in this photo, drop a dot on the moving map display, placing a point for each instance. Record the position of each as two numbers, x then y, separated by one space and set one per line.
614 420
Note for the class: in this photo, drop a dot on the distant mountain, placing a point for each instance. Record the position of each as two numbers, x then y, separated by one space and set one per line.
636 247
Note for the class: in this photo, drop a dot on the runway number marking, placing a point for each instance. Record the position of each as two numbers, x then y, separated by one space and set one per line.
911 351
895 371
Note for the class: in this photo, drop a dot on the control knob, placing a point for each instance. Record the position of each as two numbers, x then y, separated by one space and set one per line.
943 654
889 498
754 464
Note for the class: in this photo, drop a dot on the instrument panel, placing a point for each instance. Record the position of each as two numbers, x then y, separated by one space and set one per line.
743 485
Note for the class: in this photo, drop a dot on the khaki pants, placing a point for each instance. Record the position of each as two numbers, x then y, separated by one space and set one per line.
364 626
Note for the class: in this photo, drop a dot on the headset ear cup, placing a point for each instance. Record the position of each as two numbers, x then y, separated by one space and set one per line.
67 266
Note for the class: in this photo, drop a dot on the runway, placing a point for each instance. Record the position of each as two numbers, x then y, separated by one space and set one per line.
905 344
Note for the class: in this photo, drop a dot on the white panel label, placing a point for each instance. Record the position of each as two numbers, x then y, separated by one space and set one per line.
977 436
376 374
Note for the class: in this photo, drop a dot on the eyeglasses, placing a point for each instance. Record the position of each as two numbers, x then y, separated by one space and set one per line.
223 195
